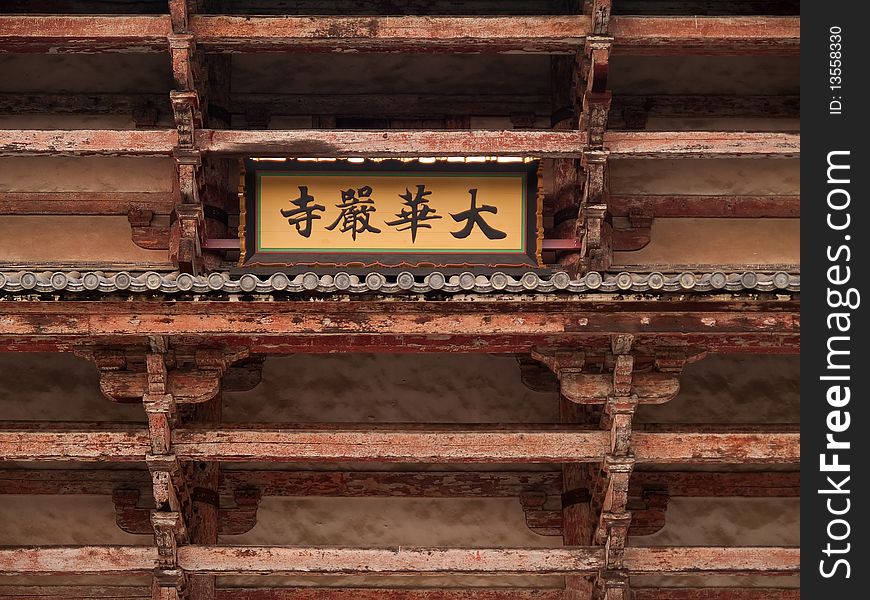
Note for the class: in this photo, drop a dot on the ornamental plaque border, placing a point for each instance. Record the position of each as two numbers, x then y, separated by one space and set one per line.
531 258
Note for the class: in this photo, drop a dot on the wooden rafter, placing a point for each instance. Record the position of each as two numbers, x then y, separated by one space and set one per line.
548 34
396 143
625 109
309 593
427 484
428 444
324 560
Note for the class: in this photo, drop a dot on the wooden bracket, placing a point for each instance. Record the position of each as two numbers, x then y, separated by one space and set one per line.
232 520
146 231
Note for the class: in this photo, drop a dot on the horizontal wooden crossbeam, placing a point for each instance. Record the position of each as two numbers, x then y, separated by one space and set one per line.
426 484
528 34
314 593
396 326
84 203
397 143
222 560
712 206
416 105
394 444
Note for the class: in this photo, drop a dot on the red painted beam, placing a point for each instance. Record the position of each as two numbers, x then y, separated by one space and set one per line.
727 593
393 444
712 206
388 594
79 33
398 143
705 35
84 203
535 34
528 34
87 142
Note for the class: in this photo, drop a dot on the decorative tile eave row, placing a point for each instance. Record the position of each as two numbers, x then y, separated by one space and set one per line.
375 282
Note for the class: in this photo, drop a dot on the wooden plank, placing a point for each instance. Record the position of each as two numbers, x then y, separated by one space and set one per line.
388 594
700 448
690 560
394 444
705 105
76 592
435 445
44 444
728 593
391 143
77 560
530 34
710 560
87 142
706 484
412 104
397 143
704 206
334 326
527 34
705 35
124 104
406 105
74 33
84 203
425 484
324 560
222 560
700 144
541 143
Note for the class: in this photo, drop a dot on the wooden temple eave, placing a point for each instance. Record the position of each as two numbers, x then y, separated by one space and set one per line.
530 34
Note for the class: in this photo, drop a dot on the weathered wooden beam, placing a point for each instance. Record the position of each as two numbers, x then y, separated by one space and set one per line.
529 34
397 143
632 112
542 143
426 444
421 105
92 592
271 559
697 144
426 484
50 443
124 104
77 560
87 142
624 108
709 484
701 560
328 560
705 35
727 593
391 143
703 206
75 592
74 33
537 34
388 594
334 326
84 203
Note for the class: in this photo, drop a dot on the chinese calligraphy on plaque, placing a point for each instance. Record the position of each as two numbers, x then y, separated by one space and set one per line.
391 212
